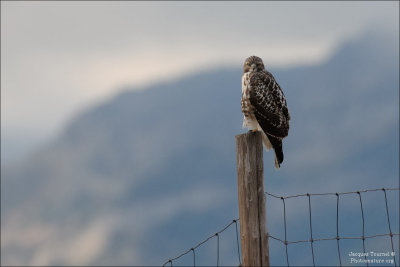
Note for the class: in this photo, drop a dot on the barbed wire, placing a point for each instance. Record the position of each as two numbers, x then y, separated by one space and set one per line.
363 237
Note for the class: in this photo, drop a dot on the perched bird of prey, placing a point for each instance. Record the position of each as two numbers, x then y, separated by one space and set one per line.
264 106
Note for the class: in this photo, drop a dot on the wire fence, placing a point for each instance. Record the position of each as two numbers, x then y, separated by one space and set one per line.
216 235
363 237
311 240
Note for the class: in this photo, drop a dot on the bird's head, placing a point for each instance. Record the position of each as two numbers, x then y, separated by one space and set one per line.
253 64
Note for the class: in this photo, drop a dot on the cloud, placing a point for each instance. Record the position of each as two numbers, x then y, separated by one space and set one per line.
41 243
60 57
66 242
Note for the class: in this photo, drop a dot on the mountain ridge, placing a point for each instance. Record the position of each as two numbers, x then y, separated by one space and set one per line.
161 162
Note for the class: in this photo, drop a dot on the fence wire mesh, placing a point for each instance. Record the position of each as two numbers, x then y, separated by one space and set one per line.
338 237
286 242
216 235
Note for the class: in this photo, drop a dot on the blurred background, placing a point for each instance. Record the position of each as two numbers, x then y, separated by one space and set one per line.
118 122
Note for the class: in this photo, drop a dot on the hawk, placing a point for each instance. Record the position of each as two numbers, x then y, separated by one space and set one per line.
264 106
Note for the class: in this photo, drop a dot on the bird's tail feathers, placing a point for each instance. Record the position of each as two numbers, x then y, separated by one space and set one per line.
277 165
276 143
267 144
278 156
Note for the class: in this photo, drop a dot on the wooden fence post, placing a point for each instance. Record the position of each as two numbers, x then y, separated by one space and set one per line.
250 172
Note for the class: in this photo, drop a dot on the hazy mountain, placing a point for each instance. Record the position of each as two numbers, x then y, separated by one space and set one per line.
151 172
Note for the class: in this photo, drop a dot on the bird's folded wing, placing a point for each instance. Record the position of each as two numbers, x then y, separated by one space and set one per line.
269 105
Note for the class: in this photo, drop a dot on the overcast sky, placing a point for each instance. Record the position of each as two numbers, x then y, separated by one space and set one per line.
60 57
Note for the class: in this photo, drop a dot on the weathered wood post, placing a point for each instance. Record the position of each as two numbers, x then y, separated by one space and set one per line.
250 172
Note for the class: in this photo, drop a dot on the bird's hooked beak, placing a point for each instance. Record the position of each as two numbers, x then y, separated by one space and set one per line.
253 67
